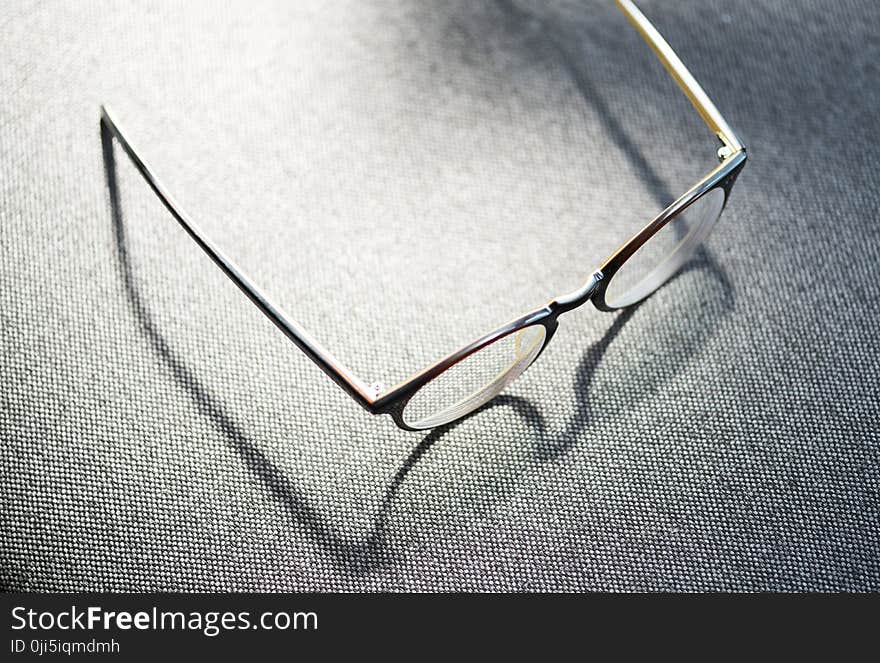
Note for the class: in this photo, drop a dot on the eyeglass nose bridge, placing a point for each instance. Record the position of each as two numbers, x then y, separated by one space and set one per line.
579 297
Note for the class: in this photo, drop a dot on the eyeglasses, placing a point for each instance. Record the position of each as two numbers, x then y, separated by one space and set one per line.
470 377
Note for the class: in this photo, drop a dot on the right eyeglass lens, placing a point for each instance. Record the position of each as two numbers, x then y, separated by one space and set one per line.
475 380
662 255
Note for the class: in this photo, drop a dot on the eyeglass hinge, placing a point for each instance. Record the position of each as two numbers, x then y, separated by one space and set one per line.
725 152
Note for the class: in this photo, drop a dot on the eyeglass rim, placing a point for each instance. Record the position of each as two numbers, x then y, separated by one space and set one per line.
541 318
722 178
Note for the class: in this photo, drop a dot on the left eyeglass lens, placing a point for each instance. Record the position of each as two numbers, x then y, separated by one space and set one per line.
475 380
665 253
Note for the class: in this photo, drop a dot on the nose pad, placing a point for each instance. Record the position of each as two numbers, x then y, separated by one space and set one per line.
519 344
525 342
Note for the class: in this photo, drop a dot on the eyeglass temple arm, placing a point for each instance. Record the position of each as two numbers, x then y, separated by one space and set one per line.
688 84
342 376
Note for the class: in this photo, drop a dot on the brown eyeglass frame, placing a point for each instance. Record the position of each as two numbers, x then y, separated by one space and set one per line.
374 398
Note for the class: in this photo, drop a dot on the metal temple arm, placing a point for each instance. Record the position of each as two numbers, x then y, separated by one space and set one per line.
342 376
688 84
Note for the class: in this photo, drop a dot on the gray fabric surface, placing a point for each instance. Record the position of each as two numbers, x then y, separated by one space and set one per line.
402 177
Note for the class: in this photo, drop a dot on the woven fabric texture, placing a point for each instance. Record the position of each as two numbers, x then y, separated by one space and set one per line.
403 177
